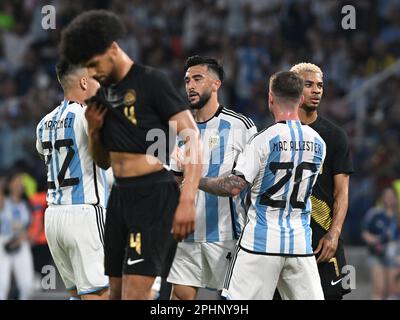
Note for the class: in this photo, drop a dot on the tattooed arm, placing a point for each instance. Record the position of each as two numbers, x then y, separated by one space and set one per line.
226 185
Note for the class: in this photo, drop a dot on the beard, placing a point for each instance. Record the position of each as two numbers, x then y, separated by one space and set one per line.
203 99
308 108
110 79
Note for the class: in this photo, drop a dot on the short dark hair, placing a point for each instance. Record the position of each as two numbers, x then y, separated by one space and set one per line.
211 63
287 85
89 34
63 68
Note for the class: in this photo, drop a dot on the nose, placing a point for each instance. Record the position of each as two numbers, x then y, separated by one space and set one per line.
189 85
316 89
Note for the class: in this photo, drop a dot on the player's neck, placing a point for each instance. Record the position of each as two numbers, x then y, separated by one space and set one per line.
208 111
307 117
283 115
74 95
124 64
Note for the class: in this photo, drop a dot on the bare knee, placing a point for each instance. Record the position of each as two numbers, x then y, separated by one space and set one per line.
137 287
115 288
181 292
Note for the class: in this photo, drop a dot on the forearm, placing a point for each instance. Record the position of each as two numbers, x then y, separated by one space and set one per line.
340 206
226 185
192 169
100 155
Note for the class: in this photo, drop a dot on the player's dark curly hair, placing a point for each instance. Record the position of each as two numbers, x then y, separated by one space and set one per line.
211 63
89 34
287 84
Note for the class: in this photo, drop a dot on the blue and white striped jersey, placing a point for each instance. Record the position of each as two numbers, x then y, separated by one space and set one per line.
14 218
224 136
282 164
72 176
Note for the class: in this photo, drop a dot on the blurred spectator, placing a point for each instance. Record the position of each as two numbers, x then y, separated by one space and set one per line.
15 252
40 250
380 229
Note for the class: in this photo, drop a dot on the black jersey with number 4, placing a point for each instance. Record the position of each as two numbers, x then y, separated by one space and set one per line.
143 100
337 161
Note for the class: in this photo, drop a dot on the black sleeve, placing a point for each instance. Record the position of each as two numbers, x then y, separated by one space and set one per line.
167 101
342 162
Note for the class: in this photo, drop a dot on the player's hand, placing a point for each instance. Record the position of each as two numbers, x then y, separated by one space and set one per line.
178 155
95 114
327 247
184 218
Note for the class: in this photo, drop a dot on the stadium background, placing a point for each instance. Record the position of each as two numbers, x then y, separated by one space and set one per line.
253 39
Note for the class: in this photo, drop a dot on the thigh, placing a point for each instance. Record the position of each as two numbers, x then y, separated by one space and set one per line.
217 256
252 276
187 266
300 279
115 234
5 271
23 265
331 274
150 246
59 252
86 249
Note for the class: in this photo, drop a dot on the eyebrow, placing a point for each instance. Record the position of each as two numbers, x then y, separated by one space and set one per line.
311 82
91 63
197 75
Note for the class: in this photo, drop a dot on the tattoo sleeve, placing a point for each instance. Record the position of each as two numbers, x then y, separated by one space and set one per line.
226 185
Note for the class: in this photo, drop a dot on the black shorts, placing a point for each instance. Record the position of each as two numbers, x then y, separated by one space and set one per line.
138 237
330 272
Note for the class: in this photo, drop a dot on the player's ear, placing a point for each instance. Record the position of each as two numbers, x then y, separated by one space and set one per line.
270 99
217 84
113 49
83 83
301 100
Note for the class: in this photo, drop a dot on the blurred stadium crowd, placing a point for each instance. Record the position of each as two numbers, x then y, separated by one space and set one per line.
253 39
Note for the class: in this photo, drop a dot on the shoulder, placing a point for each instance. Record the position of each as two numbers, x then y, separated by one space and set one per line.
150 73
334 130
312 133
237 119
266 134
45 119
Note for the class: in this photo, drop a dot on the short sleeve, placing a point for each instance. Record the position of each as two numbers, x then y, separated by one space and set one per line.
245 135
342 162
39 132
167 101
249 162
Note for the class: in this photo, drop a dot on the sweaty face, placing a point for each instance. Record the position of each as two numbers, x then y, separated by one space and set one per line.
198 85
312 91
103 68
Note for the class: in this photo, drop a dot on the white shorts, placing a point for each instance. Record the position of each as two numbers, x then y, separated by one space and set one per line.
201 264
256 276
75 237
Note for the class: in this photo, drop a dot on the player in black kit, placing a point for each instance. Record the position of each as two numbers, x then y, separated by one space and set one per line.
145 203
330 193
